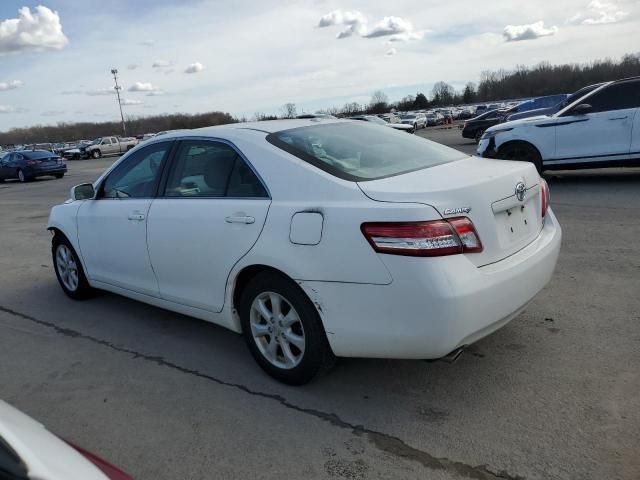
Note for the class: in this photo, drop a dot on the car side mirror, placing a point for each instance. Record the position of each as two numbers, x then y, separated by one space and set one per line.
84 191
582 109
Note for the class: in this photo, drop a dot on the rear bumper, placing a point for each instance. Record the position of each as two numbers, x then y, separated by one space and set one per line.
43 171
434 305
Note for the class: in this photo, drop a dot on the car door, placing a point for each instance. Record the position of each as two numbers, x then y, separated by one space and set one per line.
604 133
115 146
6 171
112 228
210 214
634 150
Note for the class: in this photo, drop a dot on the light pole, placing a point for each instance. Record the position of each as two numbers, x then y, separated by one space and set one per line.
114 72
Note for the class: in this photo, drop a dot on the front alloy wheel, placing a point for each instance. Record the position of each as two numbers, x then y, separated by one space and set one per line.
69 269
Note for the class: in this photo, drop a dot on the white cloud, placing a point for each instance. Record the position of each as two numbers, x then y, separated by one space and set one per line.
143 87
516 33
161 64
396 28
355 21
6 109
132 66
155 93
32 31
148 43
391 52
194 68
10 85
99 91
599 13
131 102
391 26
52 113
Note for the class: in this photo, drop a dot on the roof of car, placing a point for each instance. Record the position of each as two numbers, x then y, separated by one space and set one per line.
267 126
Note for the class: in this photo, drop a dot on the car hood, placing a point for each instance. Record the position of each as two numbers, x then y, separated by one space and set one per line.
518 123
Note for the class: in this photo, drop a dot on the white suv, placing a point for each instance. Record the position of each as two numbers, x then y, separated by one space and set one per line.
601 129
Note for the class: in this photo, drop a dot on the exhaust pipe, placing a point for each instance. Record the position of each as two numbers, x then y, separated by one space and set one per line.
450 357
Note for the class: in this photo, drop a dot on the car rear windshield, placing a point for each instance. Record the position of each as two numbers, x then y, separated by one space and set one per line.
37 154
359 151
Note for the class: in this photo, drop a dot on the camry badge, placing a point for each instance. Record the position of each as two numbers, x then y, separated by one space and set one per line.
521 190
456 211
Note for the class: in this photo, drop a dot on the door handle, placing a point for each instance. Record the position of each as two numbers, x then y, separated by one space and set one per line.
239 219
137 216
619 118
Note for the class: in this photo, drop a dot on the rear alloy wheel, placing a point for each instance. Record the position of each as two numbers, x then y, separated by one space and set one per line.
69 269
59 175
22 178
522 152
283 330
96 154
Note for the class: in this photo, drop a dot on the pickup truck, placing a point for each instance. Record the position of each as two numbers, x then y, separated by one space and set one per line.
109 146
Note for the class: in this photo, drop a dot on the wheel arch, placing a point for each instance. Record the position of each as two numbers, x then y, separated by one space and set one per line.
242 278
509 143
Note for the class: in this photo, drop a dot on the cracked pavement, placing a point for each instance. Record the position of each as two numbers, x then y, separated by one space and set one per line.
555 394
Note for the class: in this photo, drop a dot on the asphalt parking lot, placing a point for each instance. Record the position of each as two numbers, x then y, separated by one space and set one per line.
553 395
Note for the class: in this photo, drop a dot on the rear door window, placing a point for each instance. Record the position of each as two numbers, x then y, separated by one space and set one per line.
211 169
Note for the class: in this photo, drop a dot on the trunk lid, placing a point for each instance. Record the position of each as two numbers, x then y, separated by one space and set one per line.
505 223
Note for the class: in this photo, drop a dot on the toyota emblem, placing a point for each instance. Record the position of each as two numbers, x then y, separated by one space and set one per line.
521 189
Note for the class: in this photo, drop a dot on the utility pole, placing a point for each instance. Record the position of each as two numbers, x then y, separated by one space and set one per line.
114 72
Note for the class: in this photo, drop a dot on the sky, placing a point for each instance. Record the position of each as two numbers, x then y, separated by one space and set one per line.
245 56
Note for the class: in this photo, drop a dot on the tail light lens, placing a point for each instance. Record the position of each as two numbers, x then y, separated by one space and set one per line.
545 196
423 239
31 162
112 472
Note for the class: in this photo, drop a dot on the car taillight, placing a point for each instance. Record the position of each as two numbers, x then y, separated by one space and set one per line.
423 239
111 471
545 196
32 162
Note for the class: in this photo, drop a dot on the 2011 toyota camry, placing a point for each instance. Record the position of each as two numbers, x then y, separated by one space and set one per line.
314 239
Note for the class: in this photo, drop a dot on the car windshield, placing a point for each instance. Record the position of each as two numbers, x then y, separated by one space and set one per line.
407 117
34 155
97 141
360 151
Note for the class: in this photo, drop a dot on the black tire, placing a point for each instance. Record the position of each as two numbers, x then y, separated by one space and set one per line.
59 175
83 290
478 135
96 154
523 152
317 357
76 156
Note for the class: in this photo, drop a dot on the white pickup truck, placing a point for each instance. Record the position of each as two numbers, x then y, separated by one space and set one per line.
109 146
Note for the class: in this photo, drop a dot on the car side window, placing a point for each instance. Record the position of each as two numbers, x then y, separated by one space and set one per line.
106 141
619 96
211 170
138 175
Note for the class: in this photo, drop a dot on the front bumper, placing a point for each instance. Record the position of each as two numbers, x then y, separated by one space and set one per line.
487 148
434 305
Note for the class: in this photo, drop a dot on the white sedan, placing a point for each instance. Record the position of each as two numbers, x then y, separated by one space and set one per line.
314 239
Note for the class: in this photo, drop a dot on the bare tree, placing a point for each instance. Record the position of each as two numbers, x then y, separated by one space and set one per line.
289 110
379 97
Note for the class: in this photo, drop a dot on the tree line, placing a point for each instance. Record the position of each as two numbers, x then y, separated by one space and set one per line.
522 82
